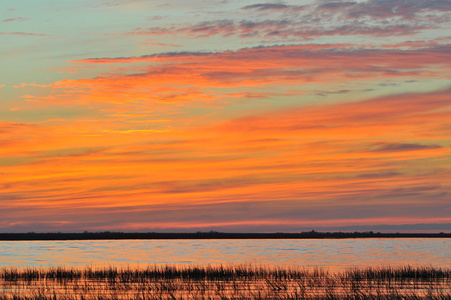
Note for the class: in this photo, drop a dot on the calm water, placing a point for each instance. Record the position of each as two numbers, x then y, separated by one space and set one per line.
333 254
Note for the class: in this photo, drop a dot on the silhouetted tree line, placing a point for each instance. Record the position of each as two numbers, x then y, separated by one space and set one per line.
111 235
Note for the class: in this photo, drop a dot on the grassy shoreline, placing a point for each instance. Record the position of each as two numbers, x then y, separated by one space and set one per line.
224 282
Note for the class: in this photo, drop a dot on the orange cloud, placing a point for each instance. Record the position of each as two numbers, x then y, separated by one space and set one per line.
356 161
161 140
287 135
202 77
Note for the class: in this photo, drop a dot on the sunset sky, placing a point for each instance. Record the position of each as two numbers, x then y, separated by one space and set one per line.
199 115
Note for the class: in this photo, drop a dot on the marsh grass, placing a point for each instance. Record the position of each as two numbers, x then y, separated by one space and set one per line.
224 282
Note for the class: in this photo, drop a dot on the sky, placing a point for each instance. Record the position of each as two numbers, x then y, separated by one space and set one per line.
240 116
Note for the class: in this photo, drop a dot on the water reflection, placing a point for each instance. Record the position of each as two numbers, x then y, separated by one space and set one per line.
333 254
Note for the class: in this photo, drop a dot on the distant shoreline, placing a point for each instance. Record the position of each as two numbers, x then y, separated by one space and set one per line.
55 236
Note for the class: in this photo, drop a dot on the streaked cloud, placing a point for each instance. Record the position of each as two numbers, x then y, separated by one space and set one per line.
197 76
19 19
23 33
282 21
265 6
404 147
223 115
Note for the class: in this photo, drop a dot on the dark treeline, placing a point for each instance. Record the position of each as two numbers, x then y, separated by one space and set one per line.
110 235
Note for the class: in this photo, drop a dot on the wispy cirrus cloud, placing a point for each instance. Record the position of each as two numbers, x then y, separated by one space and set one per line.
23 33
19 19
268 6
195 72
281 29
150 43
388 9
351 128
380 114
394 147
344 154
380 9
285 22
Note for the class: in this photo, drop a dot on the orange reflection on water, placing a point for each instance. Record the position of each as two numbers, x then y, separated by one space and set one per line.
333 254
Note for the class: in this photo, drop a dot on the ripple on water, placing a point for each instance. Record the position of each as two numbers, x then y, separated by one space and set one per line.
335 254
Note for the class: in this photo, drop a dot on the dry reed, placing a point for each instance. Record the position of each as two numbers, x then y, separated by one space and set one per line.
224 282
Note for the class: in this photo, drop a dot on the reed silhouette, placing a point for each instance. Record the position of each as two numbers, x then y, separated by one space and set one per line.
224 282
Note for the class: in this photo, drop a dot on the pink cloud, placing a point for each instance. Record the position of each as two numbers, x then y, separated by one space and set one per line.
22 34
20 19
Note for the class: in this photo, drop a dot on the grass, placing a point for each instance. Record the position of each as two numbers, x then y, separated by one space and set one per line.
224 282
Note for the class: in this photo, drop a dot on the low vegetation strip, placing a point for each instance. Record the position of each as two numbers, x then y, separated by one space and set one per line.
109 235
224 282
